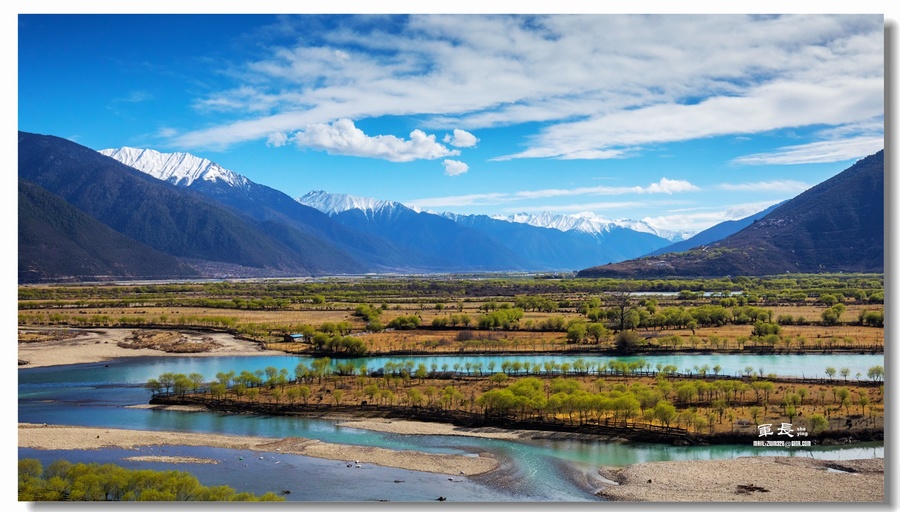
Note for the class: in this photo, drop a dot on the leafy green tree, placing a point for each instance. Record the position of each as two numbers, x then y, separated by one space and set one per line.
817 424
577 332
499 378
664 412
109 482
598 332
876 373
863 402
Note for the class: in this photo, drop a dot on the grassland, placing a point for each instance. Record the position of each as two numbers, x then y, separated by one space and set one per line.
485 315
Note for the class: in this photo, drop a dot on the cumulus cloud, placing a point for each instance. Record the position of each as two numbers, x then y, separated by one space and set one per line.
461 139
667 186
342 137
454 167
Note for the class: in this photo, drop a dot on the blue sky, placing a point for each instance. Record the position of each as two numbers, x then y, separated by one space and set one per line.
680 120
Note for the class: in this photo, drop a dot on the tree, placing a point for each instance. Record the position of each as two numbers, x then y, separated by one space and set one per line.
577 331
830 371
627 342
499 378
597 331
817 424
664 412
863 401
754 413
790 411
621 303
876 373
845 372
304 392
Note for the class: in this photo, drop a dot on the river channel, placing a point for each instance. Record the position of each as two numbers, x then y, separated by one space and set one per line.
101 395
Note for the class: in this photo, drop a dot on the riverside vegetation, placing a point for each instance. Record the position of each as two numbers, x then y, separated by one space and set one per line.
346 317
65 481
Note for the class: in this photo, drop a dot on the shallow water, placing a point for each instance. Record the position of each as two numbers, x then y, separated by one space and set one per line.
100 395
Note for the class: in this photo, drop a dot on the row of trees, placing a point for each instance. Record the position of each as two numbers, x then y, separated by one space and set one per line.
321 368
609 400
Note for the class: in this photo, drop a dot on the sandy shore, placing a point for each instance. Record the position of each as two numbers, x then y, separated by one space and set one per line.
431 429
97 345
56 437
781 479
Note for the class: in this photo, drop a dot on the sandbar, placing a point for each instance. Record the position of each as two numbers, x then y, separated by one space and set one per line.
98 345
61 437
750 479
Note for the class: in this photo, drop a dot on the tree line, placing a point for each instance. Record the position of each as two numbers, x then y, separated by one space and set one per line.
65 481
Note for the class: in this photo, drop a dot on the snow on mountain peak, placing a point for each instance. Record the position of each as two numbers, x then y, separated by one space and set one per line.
589 222
332 204
177 168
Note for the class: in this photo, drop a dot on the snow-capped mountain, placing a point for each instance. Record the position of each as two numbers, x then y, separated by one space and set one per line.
543 241
588 222
177 168
391 235
333 204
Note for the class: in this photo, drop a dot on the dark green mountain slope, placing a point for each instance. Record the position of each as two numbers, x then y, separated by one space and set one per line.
836 226
58 242
171 220
715 233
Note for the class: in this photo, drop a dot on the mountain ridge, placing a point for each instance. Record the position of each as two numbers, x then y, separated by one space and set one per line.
835 226
218 221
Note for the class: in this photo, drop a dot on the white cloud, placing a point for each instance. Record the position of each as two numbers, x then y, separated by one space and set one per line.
817 152
277 139
667 186
784 186
454 167
343 138
607 84
770 106
488 199
461 139
700 220
580 209
663 186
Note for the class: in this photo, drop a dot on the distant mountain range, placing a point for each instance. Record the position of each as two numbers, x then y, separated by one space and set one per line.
334 204
523 243
132 213
836 226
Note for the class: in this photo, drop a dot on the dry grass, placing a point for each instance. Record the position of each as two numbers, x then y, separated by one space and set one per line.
270 324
